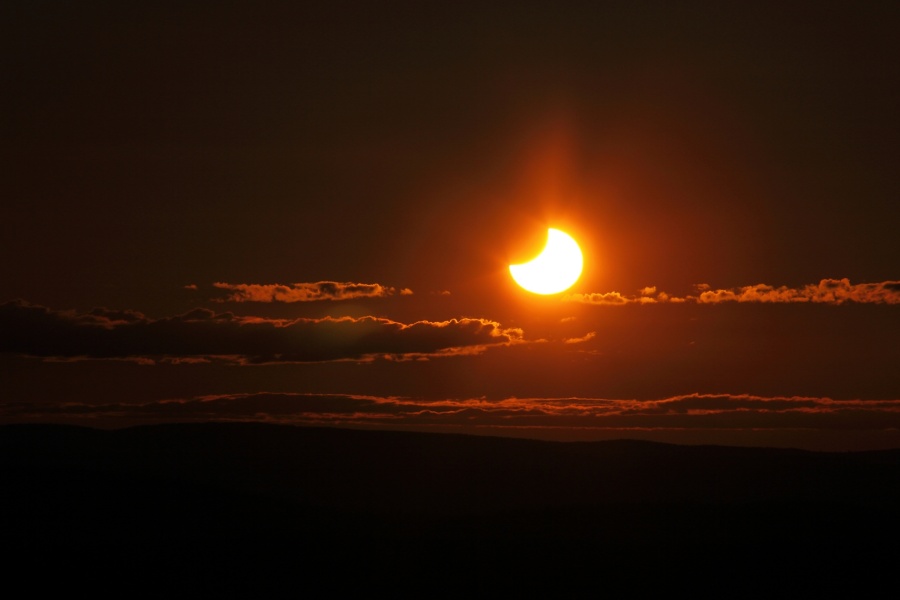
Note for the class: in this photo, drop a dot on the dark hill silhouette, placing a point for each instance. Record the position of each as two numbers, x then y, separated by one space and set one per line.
201 497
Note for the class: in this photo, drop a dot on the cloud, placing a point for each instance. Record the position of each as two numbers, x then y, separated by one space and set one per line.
305 292
581 339
827 291
604 299
203 334
692 416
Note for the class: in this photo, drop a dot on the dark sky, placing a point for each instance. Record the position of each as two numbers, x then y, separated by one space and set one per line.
740 158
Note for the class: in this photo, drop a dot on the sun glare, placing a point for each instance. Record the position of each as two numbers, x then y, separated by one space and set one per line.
555 269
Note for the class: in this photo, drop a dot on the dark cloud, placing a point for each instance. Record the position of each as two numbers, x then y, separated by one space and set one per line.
306 292
202 334
827 291
575 418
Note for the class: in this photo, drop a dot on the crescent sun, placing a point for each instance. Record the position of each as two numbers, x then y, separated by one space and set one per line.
555 269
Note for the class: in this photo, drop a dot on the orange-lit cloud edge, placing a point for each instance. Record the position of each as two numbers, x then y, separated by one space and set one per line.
827 291
304 292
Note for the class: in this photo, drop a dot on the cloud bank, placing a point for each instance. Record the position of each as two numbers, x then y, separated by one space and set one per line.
305 292
827 291
202 334
698 415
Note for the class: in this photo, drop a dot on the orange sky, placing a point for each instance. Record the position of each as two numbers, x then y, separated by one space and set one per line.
307 215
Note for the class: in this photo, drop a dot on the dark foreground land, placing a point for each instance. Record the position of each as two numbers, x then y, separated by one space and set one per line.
222 506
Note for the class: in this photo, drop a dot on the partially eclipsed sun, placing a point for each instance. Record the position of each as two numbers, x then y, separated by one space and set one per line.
555 269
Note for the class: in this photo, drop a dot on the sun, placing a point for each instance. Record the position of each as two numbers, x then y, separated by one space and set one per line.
555 269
